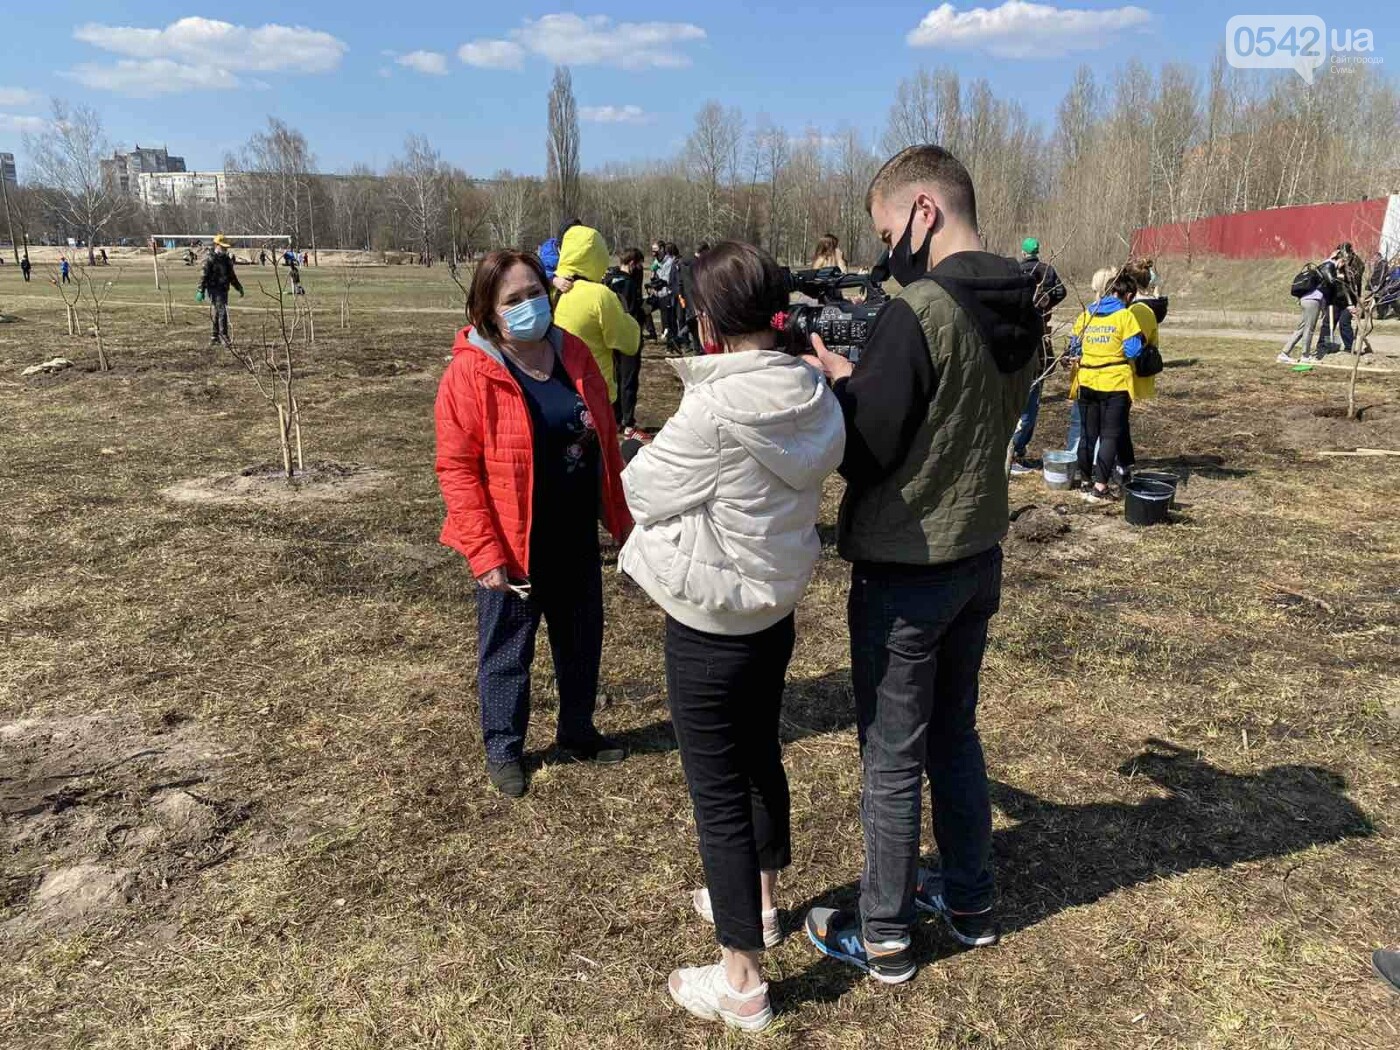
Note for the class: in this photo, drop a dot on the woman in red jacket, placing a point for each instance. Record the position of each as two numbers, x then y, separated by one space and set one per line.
528 460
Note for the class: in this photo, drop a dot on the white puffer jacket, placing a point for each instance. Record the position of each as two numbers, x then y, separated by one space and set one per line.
726 498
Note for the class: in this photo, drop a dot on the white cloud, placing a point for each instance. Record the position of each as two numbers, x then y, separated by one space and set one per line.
1018 29
595 40
17 97
16 124
492 54
206 41
152 77
614 115
433 63
201 54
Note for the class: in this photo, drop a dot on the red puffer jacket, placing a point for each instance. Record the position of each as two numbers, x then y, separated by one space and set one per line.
485 452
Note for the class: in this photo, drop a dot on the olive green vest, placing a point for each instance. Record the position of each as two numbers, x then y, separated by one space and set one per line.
947 499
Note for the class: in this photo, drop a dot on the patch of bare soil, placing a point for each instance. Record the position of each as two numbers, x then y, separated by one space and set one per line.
1310 428
99 810
267 485
1039 525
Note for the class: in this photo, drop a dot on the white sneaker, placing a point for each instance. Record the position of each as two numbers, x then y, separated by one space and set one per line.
772 931
704 992
1283 358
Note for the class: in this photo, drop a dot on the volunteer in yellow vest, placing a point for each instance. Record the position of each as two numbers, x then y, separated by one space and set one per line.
1150 310
1108 336
589 309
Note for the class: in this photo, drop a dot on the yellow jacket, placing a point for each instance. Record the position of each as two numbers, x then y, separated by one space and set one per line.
1109 336
1144 386
591 310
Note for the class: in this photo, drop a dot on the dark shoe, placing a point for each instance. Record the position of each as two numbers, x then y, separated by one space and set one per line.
1387 967
597 748
509 777
837 934
975 929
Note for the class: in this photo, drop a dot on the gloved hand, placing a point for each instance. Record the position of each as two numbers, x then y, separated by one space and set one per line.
240 293
199 296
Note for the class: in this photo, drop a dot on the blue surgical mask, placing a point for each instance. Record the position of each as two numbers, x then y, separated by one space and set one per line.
528 321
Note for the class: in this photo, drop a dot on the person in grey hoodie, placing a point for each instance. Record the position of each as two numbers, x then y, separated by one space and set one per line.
725 501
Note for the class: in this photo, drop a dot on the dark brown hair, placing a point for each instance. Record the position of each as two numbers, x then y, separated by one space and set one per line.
1140 270
481 300
738 289
927 164
631 257
1124 285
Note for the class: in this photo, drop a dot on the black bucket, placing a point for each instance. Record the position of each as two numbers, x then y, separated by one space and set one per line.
1147 502
1164 477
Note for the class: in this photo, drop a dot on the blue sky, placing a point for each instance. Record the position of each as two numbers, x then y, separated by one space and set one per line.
356 77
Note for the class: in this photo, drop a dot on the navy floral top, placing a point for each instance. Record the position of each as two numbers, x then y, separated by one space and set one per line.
565 518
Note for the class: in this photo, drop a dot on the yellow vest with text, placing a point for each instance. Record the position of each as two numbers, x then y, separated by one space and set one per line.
1103 366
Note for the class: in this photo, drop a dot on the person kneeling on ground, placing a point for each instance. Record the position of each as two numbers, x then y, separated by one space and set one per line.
929 408
1107 337
528 459
726 501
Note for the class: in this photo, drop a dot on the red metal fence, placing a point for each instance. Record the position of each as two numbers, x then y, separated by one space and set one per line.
1301 232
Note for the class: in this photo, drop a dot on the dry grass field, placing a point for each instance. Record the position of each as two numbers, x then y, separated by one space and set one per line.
242 794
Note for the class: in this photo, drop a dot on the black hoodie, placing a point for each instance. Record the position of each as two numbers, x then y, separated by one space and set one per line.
886 399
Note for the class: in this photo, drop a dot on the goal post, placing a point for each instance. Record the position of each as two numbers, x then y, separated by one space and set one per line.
171 240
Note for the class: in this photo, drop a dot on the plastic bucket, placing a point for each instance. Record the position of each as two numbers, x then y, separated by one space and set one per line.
1162 477
1059 469
1147 502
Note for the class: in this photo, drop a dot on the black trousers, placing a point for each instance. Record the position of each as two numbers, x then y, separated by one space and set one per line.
627 370
1105 418
568 595
726 692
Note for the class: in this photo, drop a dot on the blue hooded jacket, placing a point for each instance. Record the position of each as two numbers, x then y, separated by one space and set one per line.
549 255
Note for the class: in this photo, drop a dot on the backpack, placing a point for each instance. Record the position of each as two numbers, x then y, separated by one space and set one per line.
1305 282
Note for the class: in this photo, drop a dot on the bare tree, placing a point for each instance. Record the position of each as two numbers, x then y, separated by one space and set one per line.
268 179
562 146
417 189
273 368
509 210
67 159
712 153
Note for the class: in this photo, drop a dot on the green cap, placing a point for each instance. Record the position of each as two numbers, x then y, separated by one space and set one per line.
1030 246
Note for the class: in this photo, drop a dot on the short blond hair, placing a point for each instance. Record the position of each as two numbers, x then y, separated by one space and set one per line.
927 164
1101 280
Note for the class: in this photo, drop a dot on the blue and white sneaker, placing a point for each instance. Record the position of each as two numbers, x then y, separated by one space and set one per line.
837 934
974 929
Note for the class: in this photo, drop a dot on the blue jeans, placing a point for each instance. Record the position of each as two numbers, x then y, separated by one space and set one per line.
1076 427
569 597
917 638
1025 429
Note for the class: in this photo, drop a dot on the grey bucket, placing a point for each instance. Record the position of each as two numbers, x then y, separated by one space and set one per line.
1059 469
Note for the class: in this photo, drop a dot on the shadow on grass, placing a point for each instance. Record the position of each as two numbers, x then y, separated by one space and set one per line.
1060 856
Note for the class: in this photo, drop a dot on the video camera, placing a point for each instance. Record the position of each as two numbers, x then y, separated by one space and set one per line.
844 324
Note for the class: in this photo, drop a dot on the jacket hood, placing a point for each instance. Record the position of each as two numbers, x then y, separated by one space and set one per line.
583 253
1109 304
469 338
775 406
999 299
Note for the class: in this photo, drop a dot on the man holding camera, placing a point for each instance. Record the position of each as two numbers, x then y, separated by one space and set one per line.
929 409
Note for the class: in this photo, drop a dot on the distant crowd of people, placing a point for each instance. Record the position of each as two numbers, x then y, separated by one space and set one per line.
1330 295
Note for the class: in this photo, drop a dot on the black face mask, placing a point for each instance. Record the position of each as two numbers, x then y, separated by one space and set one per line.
907 266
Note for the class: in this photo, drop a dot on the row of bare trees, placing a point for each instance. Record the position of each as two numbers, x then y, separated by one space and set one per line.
1138 148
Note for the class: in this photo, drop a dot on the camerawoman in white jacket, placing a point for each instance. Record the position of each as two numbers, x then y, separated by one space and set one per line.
725 501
